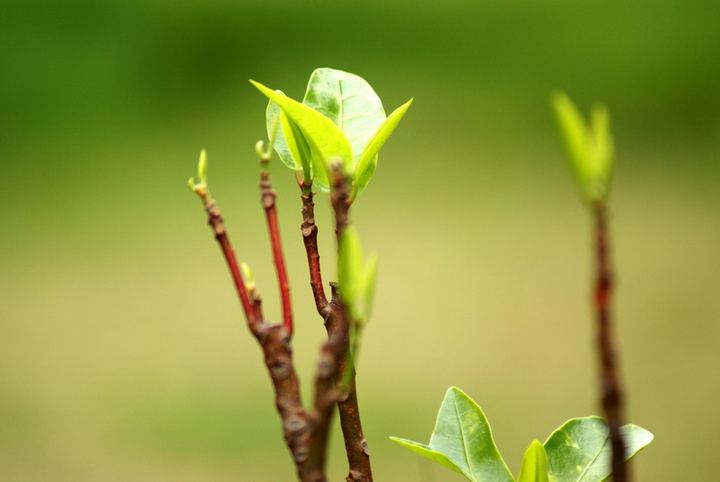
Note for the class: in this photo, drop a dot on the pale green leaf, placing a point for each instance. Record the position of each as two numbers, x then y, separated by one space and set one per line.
350 271
368 159
590 148
463 435
579 451
202 167
350 102
325 139
604 148
574 133
369 287
534 467
299 147
428 453
286 151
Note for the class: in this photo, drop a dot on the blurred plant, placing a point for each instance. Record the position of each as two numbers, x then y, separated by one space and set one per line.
578 451
331 139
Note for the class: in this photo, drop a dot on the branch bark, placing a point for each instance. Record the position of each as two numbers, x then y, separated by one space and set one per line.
612 399
267 197
305 433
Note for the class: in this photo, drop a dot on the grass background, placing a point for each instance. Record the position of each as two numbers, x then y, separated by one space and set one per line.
123 355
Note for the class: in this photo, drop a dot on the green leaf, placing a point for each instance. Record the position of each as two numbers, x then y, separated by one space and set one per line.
590 148
325 139
534 468
370 274
350 270
286 149
429 453
463 436
368 159
350 102
579 451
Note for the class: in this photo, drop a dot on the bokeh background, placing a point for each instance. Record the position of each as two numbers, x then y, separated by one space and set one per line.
123 354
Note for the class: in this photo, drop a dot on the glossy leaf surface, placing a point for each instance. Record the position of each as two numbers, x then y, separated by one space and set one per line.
368 158
325 139
350 102
579 451
462 434
535 464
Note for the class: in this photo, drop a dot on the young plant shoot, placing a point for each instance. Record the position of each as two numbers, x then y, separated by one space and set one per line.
331 139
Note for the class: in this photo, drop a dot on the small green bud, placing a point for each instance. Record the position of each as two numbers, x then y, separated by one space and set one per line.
202 167
248 277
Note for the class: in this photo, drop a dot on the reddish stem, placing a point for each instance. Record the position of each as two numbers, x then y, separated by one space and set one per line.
610 379
217 224
310 232
268 201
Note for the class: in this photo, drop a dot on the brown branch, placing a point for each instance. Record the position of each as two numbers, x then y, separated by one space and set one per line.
274 340
336 323
216 222
309 233
612 399
268 201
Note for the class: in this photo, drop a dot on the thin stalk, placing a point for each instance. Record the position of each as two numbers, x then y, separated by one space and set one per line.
337 321
309 233
268 196
612 400
216 222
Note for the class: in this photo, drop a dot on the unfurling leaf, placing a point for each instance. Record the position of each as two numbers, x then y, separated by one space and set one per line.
534 467
342 117
325 139
368 160
589 147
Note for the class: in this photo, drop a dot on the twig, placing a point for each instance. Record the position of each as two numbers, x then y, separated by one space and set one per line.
612 401
309 233
275 343
268 201
217 224
337 321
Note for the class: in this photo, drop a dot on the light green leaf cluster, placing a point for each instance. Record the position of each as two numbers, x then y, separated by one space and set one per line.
578 451
356 276
590 147
341 118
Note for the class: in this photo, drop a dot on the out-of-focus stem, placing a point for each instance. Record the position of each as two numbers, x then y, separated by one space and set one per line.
612 399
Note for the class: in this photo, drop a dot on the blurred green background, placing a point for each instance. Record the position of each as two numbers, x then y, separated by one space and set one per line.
123 354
